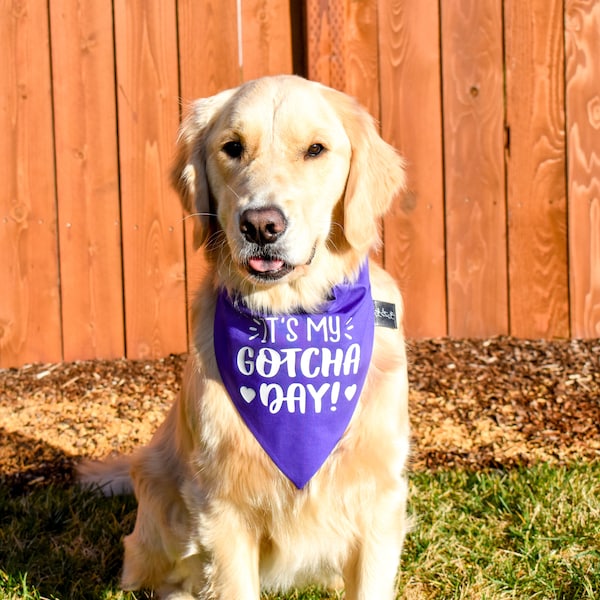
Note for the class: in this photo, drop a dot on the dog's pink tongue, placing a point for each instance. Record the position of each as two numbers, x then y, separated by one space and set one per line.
262 265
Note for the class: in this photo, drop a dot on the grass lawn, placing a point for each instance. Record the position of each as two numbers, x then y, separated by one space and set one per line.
524 533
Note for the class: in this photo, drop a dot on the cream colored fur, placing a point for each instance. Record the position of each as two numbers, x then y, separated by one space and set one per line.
216 519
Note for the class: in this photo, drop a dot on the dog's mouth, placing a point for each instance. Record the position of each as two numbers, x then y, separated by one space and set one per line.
268 269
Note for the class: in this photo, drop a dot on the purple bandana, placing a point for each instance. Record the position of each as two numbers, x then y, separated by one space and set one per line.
295 379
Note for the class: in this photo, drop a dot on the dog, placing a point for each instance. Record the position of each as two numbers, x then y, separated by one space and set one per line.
251 483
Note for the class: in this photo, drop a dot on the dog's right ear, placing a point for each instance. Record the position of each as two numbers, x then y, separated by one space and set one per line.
188 174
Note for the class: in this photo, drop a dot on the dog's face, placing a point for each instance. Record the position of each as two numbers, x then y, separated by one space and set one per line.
281 164
295 173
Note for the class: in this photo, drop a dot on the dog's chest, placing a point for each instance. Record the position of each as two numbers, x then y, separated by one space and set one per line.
311 536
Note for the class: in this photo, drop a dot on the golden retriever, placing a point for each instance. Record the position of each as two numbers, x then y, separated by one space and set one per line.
287 181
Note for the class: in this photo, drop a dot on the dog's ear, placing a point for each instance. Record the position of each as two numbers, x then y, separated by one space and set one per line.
188 174
376 175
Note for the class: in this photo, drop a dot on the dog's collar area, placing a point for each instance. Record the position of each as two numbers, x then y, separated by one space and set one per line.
296 379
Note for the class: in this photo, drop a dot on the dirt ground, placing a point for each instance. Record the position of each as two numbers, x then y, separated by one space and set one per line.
491 403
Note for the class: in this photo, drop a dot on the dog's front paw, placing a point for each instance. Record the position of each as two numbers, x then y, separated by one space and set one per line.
169 593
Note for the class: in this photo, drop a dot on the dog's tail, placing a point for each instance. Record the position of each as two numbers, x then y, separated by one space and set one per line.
111 477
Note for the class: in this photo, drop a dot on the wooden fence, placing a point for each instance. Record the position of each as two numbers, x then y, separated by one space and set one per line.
495 104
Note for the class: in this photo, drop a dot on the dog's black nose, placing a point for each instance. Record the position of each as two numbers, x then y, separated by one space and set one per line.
262 225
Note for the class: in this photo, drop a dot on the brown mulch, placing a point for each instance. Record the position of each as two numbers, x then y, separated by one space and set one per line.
474 403
504 402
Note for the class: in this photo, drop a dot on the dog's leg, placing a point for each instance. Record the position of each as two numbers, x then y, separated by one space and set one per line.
371 571
234 549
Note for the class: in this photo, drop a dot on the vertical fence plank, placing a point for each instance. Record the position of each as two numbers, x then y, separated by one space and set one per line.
474 168
30 328
208 47
266 38
204 70
411 121
536 168
148 112
361 54
583 150
87 179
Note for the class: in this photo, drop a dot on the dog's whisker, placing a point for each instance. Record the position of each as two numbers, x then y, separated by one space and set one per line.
198 214
232 191
330 240
216 240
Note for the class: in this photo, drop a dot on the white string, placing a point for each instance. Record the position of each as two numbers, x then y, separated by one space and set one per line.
239 32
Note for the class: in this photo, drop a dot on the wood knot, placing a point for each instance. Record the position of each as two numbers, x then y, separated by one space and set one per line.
594 112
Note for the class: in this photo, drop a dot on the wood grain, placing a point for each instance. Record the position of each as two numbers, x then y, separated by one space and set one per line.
87 179
412 122
474 168
583 150
208 47
148 111
266 38
537 219
30 328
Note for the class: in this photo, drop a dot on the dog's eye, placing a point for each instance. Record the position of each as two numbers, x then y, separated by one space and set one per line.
233 149
314 150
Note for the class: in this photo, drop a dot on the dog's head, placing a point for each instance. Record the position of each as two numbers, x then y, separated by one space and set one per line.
286 178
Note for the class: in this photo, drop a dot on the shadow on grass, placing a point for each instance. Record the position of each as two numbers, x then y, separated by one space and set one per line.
57 540
28 463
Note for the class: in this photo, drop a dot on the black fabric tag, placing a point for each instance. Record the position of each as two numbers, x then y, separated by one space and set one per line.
385 314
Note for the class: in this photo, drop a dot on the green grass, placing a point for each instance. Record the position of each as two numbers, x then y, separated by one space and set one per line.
527 534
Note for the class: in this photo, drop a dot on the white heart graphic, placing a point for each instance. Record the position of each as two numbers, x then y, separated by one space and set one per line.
350 391
248 394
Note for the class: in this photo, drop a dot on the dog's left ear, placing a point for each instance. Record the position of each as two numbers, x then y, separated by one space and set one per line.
376 175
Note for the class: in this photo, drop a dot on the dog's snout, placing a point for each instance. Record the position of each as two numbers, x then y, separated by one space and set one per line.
262 225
